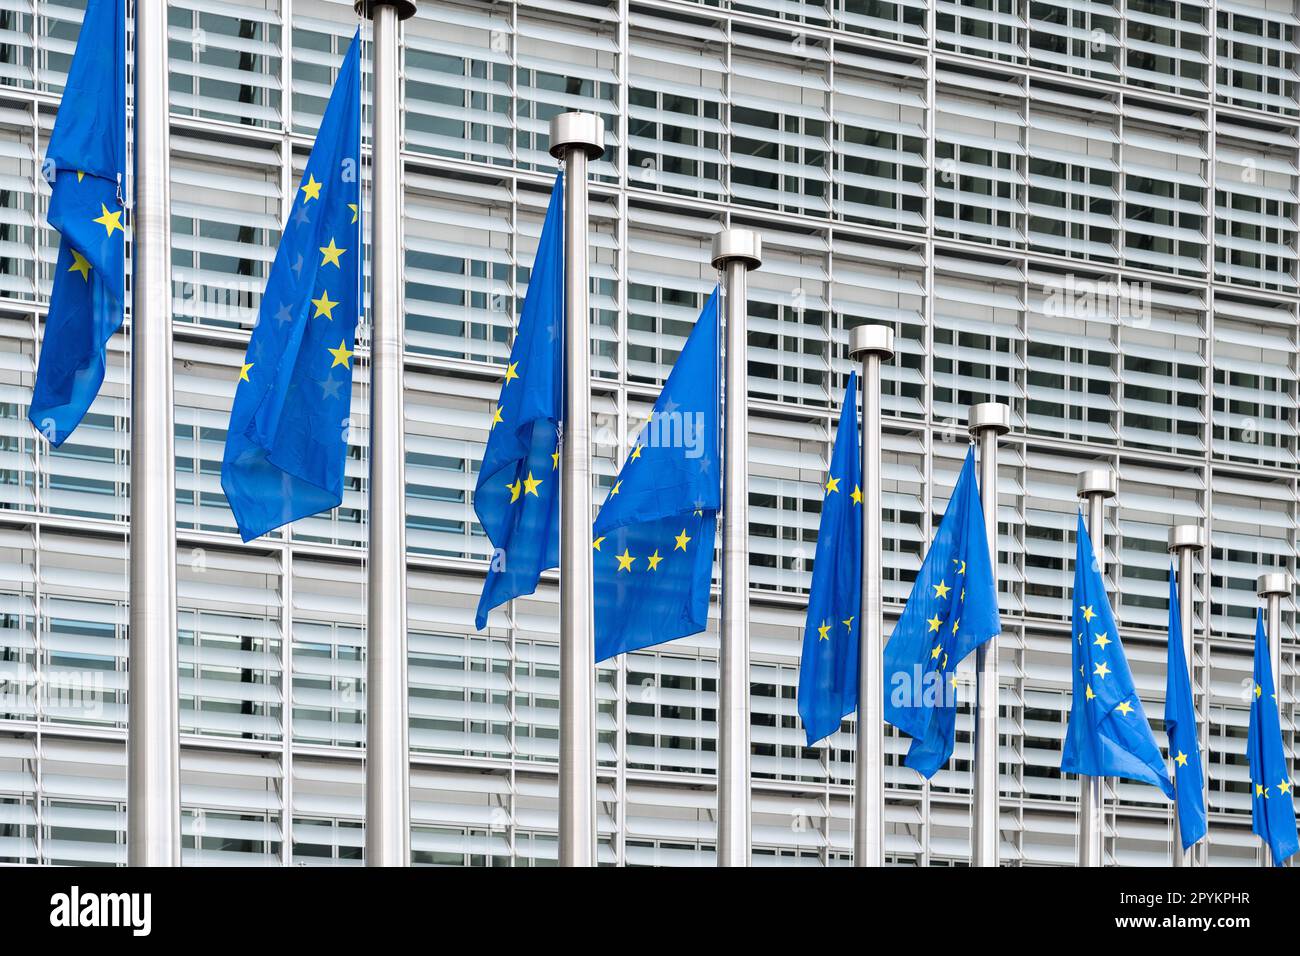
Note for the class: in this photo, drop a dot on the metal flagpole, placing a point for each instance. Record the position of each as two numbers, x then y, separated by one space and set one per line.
153 789
388 814
872 345
1272 587
1184 541
1095 486
735 252
987 422
577 138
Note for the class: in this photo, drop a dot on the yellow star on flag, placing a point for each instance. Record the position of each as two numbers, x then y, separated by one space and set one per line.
936 651
1258 690
514 487
81 174
625 560
310 189
683 540
857 495
1181 759
1088 613
243 372
617 485
1101 670
1125 708
331 255
555 461
110 220
848 623
596 544
1259 790
934 623
324 306
636 453
341 355
531 485
941 589
1087 690
353 207
824 632
1102 640
832 484
1284 787
496 416
654 559
512 372
80 264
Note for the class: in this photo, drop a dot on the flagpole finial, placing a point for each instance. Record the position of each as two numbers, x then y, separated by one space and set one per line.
1098 481
989 415
872 339
1275 582
366 8
1186 536
582 130
737 245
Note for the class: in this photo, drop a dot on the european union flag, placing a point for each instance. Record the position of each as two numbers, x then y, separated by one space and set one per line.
517 496
84 165
1272 802
653 538
1108 734
288 435
952 610
828 666
1180 725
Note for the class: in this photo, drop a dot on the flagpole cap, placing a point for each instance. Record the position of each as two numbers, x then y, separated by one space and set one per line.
732 245
366 8
992 416
1098 481
1275 582
585 131
1187 536
872 340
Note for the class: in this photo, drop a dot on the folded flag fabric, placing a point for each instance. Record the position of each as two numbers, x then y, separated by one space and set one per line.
85 165
1108 733
952 610
1180 726
517 495
653 539
1272 794
828 666
286 445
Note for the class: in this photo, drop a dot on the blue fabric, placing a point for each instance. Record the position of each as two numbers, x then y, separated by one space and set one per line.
287 441
828 666
85 164
517 496
1180 725
653 539
1108 733
1271 792
1184 747
952 610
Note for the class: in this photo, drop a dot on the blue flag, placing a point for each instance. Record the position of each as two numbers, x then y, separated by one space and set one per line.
952 610
84 164
828 666
1271 792
287 440
517 496
1180 725
653 538
1108 734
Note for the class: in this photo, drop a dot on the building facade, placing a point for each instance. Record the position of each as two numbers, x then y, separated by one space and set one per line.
1086 209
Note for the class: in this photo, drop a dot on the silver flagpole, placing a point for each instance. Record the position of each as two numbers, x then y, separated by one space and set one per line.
1272 587
987 422
872 345
577 138
735 252
153 789
1095 486
1184 541
388 815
